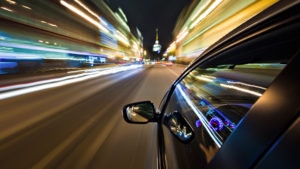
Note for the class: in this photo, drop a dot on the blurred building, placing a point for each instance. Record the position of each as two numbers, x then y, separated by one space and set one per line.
204 22
63 33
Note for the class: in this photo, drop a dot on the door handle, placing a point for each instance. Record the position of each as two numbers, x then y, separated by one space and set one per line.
179 127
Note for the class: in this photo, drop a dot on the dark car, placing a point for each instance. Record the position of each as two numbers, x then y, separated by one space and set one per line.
237 105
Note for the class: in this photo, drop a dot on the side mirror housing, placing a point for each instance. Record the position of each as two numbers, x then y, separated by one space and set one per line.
140 112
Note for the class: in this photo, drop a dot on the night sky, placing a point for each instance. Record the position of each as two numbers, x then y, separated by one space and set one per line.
149 14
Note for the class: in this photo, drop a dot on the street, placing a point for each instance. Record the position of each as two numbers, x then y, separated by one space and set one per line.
80 125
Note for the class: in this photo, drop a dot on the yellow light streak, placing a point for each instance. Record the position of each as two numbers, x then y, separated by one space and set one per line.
181 32
208 11
182 36
201 9
83 15
91 12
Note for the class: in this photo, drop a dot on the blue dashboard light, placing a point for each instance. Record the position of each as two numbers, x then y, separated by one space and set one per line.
216 123
198 123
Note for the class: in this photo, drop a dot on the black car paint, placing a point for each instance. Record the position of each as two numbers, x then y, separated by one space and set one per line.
249 32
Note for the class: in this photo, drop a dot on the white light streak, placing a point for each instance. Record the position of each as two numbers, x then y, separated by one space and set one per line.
204 79
202 118
11 2
246 84
51 24
242 89
7 9
52 83
27 7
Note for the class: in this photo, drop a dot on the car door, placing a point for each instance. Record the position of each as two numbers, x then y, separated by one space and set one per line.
208 103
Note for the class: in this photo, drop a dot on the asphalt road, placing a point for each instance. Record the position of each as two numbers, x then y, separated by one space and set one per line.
79 124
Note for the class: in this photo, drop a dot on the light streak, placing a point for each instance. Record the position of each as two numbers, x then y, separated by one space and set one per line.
91 12
201 9
122 38
7 9
182 36
181 32
27 7
246 84
48 84
48 49
203 78
241 89
11 2
201 117
208 11
18 56
122 13
83 15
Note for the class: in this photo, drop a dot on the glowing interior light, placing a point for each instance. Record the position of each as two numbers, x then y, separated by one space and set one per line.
83 15
201 9
182 36
208 11
4 8
242 89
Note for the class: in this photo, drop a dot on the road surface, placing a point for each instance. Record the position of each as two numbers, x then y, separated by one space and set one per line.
77 122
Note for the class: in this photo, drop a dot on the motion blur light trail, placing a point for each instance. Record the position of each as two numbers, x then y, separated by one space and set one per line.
47 84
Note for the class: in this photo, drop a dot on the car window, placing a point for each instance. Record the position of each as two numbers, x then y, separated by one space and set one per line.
221 96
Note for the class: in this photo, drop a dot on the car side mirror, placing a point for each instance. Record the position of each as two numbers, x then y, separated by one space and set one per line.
140 112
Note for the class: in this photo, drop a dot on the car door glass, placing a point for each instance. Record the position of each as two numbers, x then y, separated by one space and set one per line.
221 96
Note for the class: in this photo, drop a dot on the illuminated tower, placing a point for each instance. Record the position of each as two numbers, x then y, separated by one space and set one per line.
156 46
